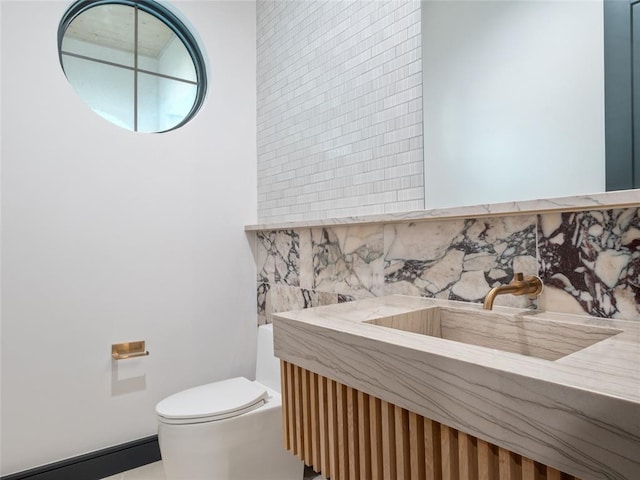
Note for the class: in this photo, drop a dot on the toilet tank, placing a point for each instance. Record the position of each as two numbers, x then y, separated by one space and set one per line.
267 365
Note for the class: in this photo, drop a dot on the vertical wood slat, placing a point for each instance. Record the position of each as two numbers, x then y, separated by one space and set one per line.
291 405
432 448
416 447
353 449
306 414
553 474
467 456
487 461
375 426
285 406
324 425
388 443
403 462
333 430
364 436
297 389
507 465
449 451
528 469
346 434
341 440
315 420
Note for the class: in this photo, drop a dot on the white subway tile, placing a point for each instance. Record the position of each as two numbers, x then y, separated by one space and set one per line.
339 107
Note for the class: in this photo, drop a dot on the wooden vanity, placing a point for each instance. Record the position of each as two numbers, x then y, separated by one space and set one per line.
377 389
346 434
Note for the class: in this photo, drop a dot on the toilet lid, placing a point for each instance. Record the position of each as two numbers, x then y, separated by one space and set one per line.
213 401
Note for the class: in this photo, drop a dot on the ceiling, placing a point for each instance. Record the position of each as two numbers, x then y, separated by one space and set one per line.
113 26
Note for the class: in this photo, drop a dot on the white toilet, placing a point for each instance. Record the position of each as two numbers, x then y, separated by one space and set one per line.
229 430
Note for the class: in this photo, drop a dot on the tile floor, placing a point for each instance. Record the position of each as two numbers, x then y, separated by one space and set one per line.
154 471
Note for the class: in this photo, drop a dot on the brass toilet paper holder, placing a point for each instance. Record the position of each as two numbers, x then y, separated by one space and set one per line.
123 351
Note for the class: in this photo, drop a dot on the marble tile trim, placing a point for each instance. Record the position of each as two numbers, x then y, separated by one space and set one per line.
282 298
278 257
460 259
597 201
348 260
589 261
592 259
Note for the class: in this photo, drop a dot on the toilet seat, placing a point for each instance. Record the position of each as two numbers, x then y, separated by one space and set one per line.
213 401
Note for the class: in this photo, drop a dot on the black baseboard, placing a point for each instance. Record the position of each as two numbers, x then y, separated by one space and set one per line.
96 465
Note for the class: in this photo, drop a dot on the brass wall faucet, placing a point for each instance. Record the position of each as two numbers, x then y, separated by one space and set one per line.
520 285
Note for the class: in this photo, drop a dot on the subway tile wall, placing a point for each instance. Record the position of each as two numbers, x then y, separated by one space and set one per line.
589 262
339 121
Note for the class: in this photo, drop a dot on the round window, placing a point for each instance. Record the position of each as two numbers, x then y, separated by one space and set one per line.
134 63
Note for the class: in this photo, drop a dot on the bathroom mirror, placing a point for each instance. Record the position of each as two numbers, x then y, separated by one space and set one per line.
134 63
515 102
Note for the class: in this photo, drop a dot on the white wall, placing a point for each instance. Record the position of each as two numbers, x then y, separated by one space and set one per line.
110 236
339 108
513 100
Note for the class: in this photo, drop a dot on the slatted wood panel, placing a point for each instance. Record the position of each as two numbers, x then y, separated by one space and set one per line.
346 434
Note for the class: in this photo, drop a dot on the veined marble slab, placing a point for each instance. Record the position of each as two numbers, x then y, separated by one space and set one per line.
619 199
579 413
593 259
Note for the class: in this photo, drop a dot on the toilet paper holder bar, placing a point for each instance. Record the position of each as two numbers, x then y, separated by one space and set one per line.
123 351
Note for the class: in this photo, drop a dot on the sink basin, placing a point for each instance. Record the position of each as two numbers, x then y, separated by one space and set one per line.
515 333
548 383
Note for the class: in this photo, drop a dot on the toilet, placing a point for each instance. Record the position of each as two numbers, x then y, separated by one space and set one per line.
229 430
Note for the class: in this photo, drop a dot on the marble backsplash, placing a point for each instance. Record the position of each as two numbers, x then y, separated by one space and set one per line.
589 261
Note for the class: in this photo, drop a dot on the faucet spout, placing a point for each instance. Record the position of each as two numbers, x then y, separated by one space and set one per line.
520 285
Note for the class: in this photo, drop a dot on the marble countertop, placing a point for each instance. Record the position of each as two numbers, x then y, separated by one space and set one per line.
579 413
596 201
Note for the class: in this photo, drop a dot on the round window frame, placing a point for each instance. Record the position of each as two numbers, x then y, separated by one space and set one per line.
171 20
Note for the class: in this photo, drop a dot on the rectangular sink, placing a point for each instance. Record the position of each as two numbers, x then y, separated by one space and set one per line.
522 334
